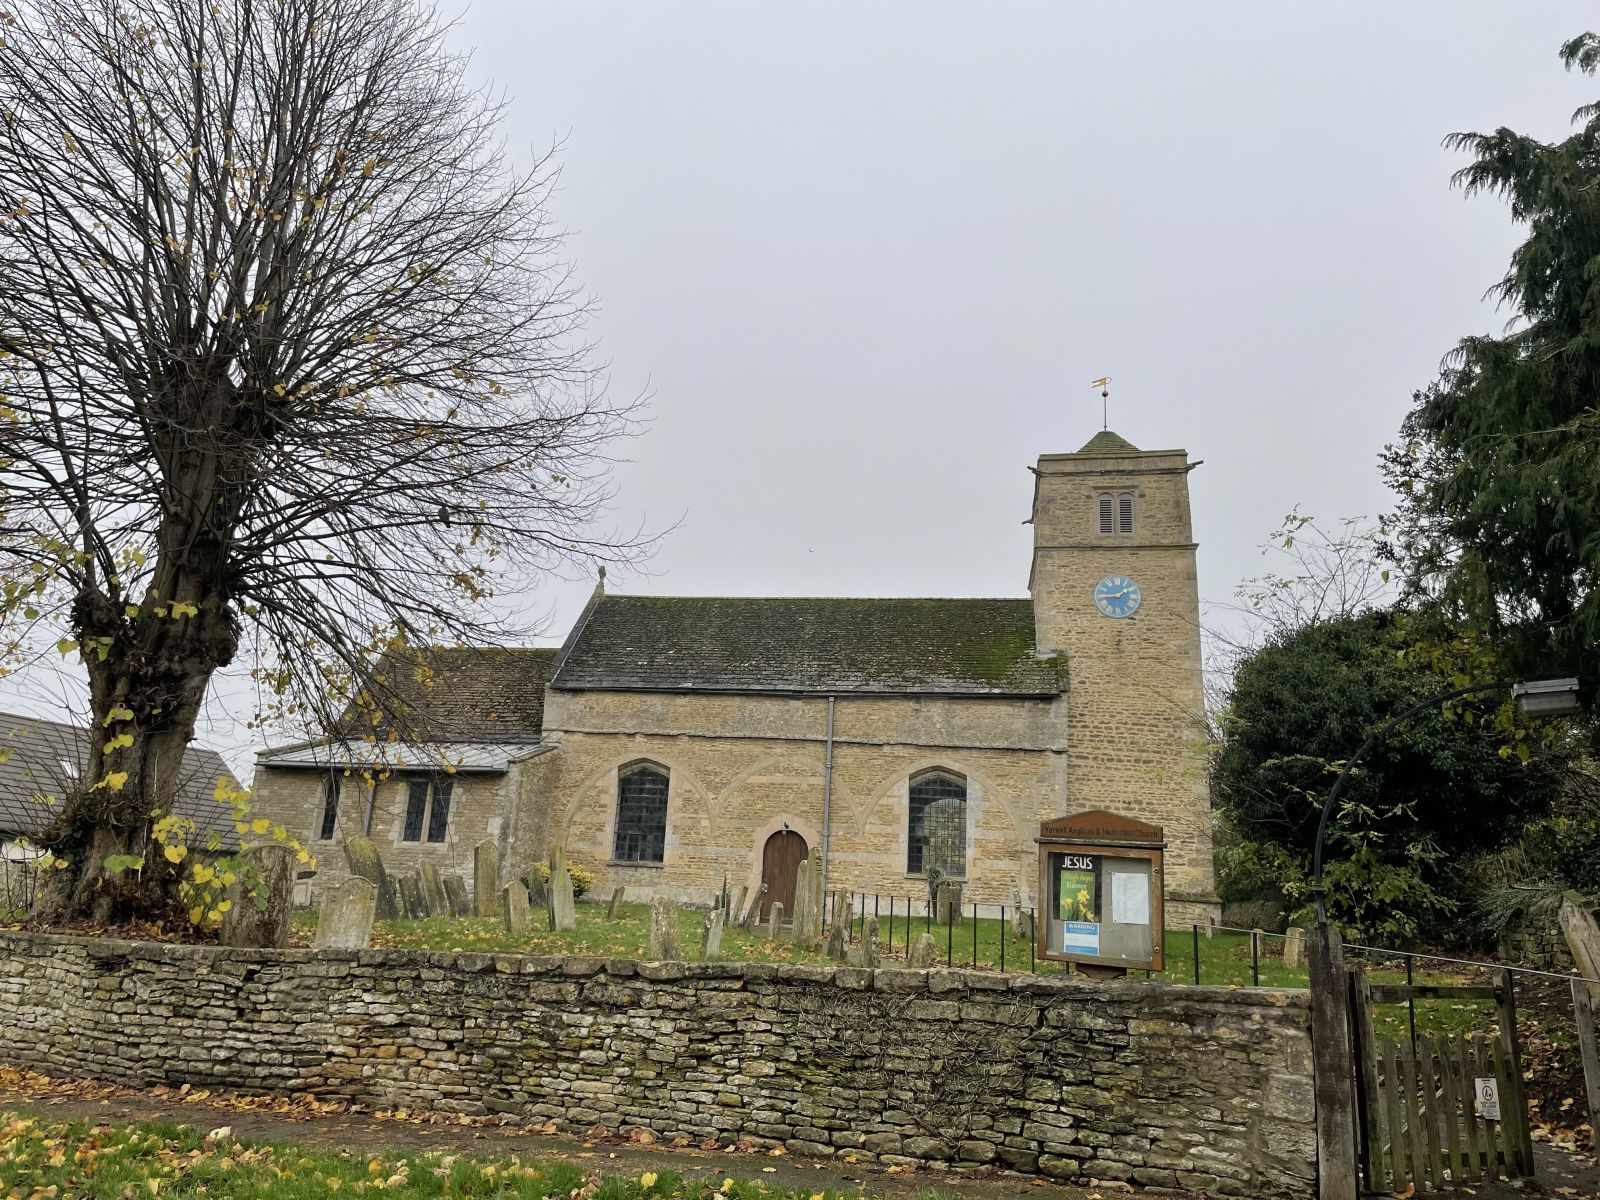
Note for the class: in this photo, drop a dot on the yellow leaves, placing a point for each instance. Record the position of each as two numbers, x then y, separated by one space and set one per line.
121 742
260 825
182 608
196 913
118 713
114 781
174 854
647 1180
203 873
66 646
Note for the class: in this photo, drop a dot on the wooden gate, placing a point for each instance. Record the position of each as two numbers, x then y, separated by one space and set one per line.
1439 1112
780 867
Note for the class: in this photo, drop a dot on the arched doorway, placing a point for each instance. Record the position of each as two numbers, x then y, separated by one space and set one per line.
780 866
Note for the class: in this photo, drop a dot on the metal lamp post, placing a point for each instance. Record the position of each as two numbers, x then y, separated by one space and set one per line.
1552 697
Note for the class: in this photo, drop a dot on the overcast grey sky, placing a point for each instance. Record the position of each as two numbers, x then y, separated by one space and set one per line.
866 258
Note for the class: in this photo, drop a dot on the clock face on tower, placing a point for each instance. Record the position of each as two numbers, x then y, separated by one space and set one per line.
1117 596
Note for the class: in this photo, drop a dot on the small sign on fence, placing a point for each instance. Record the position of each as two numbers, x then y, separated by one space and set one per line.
1486 1098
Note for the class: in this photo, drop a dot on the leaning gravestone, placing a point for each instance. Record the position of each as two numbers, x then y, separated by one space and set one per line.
711 936
537 887
663 929
345 922
485 879
411 898
737 906
514 908
775 926
455 890
836 942
1294 947
614 909
361 856
260 899
431 888
752 915
563 907
922 952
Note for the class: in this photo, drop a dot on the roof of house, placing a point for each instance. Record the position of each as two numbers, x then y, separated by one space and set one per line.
669 644
457 694
45 757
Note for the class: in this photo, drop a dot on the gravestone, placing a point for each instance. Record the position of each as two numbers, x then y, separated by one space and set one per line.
538 888
455 891
664 929
434 903
485 879
949 911
775 926
711 937
865 953
836 942
802 904
361 856
260 899
753 913
563 908
922 952
410 898
737 906
514 908
614 909
345 922
1016 912
1026 926
1294 947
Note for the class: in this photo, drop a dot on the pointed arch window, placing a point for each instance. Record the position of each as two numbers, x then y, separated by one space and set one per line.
330 807
641 814
938 824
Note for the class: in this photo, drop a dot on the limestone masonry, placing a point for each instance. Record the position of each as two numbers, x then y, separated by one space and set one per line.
677 743
1198 1088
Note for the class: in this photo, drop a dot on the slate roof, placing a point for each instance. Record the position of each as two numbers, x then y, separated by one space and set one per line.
458 694
45 756
670 644
1106 442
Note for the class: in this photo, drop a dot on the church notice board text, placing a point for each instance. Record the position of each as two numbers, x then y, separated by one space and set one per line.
1100 892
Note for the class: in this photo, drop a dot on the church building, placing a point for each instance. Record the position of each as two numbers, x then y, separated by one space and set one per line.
674 744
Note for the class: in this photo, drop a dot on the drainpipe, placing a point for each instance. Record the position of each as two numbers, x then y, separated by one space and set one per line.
827 797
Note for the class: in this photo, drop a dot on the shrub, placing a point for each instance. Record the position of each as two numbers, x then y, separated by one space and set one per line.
582 880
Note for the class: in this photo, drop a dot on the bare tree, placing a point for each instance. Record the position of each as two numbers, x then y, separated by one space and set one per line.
291 366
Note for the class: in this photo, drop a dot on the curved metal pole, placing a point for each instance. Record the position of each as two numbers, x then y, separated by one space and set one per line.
1376 736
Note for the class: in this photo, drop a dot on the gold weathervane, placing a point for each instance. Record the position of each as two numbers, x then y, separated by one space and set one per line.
1104 384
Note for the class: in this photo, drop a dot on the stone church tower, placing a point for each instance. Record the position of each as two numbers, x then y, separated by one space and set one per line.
1114 588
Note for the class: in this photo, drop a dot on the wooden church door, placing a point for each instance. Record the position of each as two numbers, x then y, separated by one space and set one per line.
780 866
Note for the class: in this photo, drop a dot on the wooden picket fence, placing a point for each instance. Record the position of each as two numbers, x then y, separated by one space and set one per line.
1423 1122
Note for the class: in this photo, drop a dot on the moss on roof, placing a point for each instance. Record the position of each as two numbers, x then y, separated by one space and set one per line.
1106 442
458 694
811 645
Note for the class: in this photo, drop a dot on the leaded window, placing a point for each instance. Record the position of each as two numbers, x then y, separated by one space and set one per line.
330 806
641 815
439 814
938 832
416 806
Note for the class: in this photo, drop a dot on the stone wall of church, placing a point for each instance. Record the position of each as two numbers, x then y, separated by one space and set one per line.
293 798
1136 709
743 767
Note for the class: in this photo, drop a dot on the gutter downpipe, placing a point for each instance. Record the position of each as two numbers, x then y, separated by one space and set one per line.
827 798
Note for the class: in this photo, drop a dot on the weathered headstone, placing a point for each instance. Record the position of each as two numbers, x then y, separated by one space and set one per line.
711 936
775 927
922 952
614 909
1294 947
261 899
485 879
345 920
664 929
514 908
538 887
737 906
410 898
563 908
1026 925
1016 911
431 886
753 914
361 856
836 942
865 953
455 890
802 904
949 903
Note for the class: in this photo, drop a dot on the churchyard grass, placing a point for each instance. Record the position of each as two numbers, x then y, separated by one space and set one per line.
40 1157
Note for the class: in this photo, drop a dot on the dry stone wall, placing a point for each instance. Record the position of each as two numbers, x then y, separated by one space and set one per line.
1202 1088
